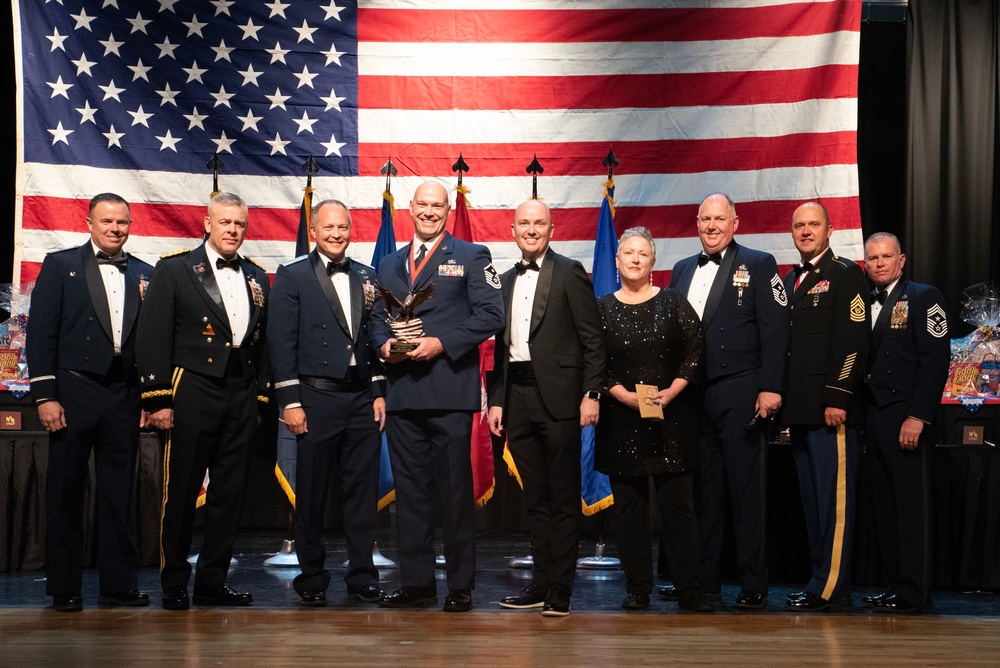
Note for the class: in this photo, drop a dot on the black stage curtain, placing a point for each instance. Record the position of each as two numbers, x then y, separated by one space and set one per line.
952 235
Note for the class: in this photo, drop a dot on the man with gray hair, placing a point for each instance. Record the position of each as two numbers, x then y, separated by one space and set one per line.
204 375
907 369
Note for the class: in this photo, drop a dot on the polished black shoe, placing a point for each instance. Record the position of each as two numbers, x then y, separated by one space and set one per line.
176 598
313 598
369 594
410 597
458 600
556 603
635 601
750 600
221 594
815 603
795 595
67 603
532 596
699 603
896 604
132 597
667 593
873 599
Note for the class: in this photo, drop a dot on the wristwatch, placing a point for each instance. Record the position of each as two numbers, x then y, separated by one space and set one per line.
593 394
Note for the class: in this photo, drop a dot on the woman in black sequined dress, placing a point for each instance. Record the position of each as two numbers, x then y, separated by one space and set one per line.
654 338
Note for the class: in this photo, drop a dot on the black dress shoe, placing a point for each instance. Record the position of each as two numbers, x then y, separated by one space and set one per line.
369 594
221 594
556 603
458 600
872 599
636 601
816 603
796 595
410 597
699 603
894 603
751 600
67 603
313 598
532 596
667 594
133 597
176 598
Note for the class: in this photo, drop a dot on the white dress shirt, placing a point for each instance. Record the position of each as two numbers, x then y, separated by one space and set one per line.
114 288
521 304
701 284
233 288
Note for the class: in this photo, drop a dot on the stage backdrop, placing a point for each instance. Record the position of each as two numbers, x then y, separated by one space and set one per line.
757 98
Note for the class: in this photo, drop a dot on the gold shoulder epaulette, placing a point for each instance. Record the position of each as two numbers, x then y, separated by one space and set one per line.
256 264
179 251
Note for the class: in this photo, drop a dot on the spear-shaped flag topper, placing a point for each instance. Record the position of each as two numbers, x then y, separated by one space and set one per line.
310 167
534 169
215 164
610 161
389 170
460 167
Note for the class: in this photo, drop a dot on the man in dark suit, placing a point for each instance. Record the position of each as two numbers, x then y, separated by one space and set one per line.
204 373
907 369
81 354
432 393
318 339
548 372
829 342
743 309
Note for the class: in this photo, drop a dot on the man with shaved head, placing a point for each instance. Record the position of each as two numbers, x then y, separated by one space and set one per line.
432 392
830 327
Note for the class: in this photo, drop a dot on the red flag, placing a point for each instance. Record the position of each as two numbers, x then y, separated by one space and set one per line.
482 444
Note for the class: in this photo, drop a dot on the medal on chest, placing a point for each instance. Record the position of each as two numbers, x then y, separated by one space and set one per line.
900 313
741 279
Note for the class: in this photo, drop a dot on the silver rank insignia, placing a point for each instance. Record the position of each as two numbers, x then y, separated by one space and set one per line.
937 321
492 277
778 290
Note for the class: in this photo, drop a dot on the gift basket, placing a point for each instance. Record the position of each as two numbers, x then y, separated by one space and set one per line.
974 373
13 363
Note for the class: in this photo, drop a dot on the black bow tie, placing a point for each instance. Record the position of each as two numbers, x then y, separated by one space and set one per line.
120 263
521 267
222 263
333 267
804 268
879 296
705 259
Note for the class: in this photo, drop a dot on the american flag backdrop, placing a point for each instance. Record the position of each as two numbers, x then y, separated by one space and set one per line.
757 98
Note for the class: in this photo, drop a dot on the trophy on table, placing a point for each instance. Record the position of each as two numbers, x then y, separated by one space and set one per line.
405 326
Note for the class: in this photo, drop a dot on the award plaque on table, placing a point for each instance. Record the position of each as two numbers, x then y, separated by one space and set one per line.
649 407
405 325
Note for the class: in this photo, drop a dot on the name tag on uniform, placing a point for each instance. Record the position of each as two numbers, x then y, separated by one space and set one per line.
451 270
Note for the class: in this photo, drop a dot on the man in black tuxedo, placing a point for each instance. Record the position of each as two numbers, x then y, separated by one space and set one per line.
318 340
828 349
907 369
548 372
743 309
81 354
204 372
432 393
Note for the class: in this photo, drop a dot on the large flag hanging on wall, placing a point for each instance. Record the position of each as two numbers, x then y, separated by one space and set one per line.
757 98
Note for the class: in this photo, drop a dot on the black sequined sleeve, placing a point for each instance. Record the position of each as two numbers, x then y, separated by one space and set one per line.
690 327
609 376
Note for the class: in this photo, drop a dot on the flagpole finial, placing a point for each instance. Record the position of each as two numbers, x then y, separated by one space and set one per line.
215 164
390 171
310 166
610 161
535 168
460 167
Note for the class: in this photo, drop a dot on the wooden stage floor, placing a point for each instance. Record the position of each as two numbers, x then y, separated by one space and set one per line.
963 630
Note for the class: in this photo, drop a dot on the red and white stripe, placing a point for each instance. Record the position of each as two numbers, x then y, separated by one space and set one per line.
754 98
